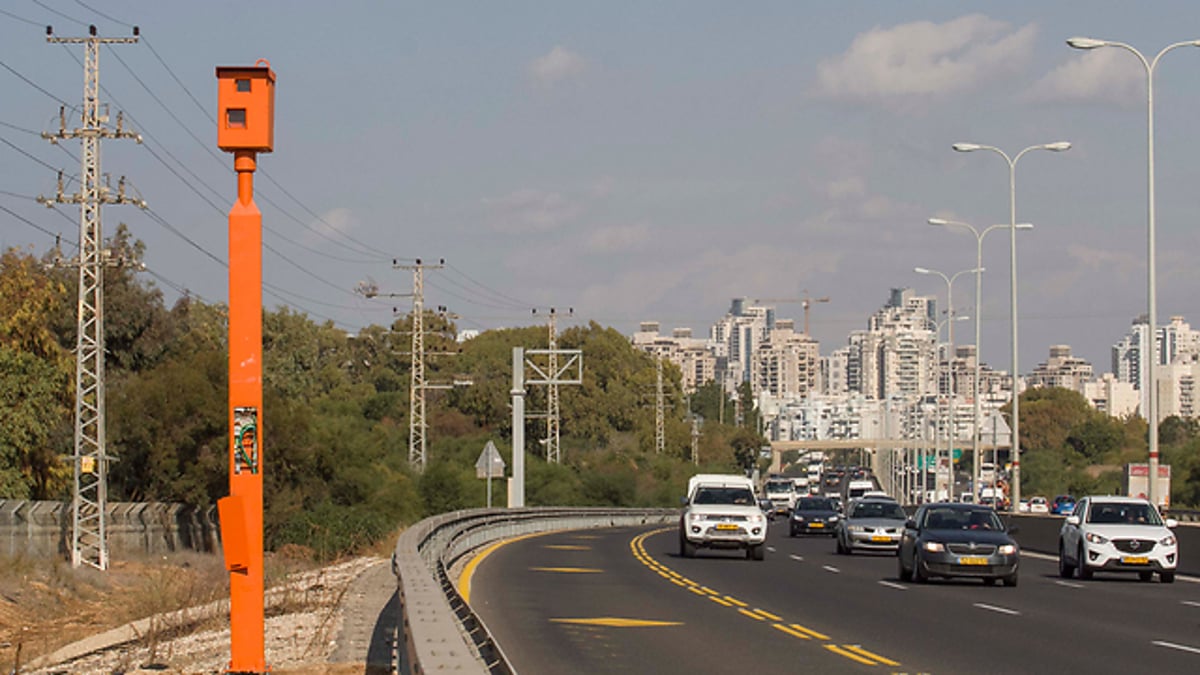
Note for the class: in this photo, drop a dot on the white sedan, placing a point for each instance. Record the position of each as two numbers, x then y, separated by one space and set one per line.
1039 505
1117 534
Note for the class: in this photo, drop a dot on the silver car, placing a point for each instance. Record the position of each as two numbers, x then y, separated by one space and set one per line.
873 524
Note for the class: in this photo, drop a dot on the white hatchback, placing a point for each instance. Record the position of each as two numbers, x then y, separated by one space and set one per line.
1117 534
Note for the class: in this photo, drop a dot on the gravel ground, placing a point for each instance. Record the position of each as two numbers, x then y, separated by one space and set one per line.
336 620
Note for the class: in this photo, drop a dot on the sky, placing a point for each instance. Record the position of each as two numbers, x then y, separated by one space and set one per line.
639 161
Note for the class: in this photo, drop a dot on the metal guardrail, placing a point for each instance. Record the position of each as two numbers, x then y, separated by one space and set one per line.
440 632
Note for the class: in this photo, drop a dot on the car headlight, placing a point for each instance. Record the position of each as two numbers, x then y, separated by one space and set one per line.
1168 540
798 517
1006 549
856 528
833 519
934 546
695 517
756 518
1096 539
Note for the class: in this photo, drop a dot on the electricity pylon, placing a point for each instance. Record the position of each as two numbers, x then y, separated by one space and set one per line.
89 535
660 435
416 390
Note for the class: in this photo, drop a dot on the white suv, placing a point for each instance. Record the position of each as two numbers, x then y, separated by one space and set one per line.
1117 534
721 512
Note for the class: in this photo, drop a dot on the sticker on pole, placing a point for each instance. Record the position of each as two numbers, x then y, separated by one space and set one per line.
245 439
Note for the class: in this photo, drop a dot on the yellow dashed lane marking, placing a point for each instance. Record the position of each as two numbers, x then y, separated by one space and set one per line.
568 570
614 622
870 655
852 652
752 615
789 631
850 655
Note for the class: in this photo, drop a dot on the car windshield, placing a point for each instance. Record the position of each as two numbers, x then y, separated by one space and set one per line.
878 510
779 486
815 505
723 495
1123 513
962 519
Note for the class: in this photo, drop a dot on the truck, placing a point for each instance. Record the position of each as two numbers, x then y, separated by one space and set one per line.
1135 482
857 488
782 493
721 512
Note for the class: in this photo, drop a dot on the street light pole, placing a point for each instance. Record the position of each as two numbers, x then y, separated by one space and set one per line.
949 323
979 235
949 320
1057 146
1149 382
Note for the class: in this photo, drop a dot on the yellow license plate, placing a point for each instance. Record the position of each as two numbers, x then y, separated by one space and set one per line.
972 561
881 539
816 524
1136 560
726 526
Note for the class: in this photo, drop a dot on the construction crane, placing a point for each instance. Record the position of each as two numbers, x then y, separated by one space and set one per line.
806 302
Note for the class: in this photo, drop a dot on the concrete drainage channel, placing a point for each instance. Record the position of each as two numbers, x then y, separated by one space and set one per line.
439 632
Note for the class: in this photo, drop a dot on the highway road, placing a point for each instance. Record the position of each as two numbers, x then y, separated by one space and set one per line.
623 601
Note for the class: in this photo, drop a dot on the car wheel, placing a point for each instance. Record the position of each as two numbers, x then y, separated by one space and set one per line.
918 573
904 573
1010 580
686 548
756 552
1084 572
1145 576
1065 569
1167 577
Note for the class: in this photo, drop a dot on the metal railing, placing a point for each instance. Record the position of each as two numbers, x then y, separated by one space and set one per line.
440 632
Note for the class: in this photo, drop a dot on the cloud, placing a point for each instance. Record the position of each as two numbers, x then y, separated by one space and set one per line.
617 238
1089 260
560 64
925 58
530 211
333 224
1097 75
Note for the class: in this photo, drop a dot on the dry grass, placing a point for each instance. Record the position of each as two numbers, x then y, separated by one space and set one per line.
46 604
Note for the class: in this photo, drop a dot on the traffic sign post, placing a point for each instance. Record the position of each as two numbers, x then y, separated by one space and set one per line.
489 464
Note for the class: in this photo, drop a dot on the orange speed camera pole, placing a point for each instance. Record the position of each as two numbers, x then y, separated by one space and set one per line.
245 127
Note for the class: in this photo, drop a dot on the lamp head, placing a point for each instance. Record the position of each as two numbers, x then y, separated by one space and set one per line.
938 221
1086 43
1058 146
1024 226
921 270
967 147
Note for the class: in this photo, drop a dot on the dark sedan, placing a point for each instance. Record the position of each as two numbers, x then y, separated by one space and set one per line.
958 540
814 515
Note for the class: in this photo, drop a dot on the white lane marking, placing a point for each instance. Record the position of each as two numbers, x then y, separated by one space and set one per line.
1068 584
1054 558
797 558
1002 610
896 586
829 568
1172 645
771 549
1193 603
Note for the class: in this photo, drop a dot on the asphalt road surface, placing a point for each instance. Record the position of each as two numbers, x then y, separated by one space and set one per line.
623 601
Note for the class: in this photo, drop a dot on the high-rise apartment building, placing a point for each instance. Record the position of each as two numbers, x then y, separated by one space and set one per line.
1062 369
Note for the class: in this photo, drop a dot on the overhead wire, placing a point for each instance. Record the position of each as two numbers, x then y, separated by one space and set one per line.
19 18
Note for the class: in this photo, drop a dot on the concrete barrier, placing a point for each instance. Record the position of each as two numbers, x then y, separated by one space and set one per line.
42 529
1039 533
440 632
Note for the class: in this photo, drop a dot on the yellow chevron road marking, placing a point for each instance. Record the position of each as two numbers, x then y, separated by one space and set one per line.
789 631
870 655
850 655
614 622
568 570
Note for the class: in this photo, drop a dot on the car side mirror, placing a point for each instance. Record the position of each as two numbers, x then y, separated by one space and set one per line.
1072 520
683 501
910 524
1172 523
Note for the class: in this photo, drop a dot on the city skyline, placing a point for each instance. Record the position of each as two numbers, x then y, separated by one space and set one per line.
640 162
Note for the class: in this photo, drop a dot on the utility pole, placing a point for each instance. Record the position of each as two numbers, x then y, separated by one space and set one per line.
553 447
416 389
660 435
89 535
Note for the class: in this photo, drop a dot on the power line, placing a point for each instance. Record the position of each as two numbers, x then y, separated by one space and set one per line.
20 18
517 303
35 226
96 11
27 154
56 12
33 84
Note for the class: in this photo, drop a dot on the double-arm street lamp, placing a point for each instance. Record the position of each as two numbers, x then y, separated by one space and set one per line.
1150 387
1057 146
949 320
979 235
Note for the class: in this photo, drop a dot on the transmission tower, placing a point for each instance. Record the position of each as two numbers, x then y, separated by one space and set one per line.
660 435
89 542
553 448
417 386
